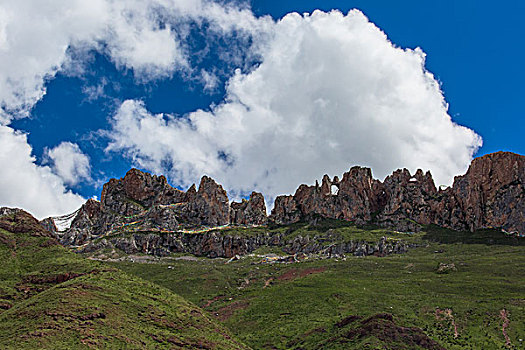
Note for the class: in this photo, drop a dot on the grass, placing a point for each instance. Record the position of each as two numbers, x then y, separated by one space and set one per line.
53 299
337 231
287 306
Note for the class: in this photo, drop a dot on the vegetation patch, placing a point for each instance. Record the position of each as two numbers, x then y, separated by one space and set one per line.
325 309
54 299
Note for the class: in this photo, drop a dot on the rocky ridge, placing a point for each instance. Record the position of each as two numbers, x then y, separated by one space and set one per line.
215 244
490 195
143 202
157 216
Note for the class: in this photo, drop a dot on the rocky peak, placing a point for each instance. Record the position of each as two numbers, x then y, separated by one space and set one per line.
249 212
211 190
494 170
89 213
142 187
326 186
407 200
147 202
138 190
285 210
210 206
492 192
350 198
190 194
92 208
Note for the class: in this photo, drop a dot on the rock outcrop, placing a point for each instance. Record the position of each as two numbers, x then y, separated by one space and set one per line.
249 212
490 195
492 192
407 200
143 202
138 191
224 245
353 198
209 206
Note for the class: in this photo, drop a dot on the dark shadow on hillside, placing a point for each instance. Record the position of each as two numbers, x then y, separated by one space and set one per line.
316 223
486 236
354 330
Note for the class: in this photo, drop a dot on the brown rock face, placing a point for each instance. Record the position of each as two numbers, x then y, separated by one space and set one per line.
89 222
137 191
249 212
407 200
285 210
20 221
147 202
490 194
208 206
352 198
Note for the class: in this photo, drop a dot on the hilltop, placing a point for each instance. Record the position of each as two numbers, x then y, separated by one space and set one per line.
352 263
52 298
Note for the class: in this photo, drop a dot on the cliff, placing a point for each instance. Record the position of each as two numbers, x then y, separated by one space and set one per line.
490 195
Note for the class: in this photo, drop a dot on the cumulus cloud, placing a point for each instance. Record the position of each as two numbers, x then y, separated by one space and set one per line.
147 36
40 38
28 185
331 91
69 162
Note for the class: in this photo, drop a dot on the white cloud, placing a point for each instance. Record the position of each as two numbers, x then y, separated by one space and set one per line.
332 91
94 92
28 185
210 80
37 39
147 36
69 162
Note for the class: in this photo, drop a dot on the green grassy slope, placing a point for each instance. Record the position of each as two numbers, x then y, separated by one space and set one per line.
305 305
51 298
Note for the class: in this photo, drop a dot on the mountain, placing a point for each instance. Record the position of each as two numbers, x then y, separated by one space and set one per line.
490 195
52 298
319 272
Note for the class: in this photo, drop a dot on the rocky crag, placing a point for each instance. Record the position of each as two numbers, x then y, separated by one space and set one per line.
143 202
490 195
156 216
215 244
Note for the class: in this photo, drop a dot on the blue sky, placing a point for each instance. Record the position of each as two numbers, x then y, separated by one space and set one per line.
475 49
116 108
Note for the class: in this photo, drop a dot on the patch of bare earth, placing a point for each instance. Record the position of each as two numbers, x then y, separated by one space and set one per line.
224 313
383 327
208 303
504 315
446 314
